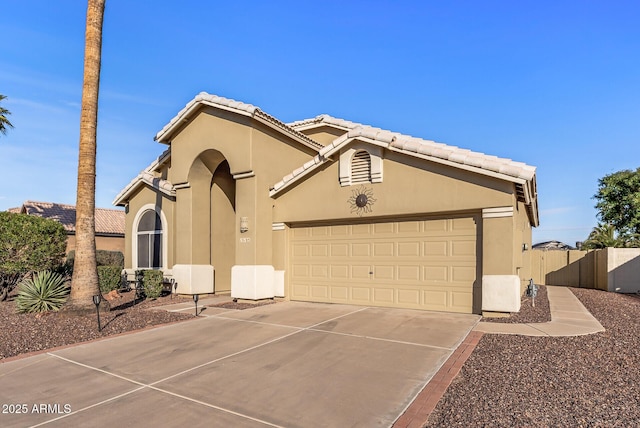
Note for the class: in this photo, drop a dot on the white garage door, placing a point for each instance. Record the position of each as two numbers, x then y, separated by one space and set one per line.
423 264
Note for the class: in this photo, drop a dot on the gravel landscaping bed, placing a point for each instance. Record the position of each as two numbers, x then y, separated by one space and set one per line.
528 313
582 381
24 333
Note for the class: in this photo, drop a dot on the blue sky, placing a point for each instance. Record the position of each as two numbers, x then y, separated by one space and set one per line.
554 84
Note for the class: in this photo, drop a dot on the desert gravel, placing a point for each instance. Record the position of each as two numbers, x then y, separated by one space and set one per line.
581 381
26 333
508 381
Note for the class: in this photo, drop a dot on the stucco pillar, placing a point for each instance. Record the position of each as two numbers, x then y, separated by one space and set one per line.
500 282
191 274
183 233
201 222
246 213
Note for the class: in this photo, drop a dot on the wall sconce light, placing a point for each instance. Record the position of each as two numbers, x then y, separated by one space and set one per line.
525 247
244 224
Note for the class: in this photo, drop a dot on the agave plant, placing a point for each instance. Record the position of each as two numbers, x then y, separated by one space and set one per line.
46 291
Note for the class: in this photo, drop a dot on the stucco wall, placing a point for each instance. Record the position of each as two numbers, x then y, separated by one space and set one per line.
323 134
149 197
259 156
409 187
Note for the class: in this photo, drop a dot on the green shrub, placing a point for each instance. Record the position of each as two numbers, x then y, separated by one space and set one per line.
151 282
103 258
30 243
109 278
46 291
110 258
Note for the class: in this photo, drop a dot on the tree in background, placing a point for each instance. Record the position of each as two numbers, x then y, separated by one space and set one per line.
603 236
618 205
84 282
4 122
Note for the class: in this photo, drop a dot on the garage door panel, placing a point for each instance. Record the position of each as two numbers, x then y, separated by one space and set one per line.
435 299
461 300
339 293
301 250
362 294
361 229
409 227
320 291
464 274
410 297
409 249
300 271
319 250
383 273
322 231
463 248
435 248
426 263
436 273
383 229
300 291
339 271
383 295
383 249
320 271
436 226
360 272
409 273
466 224
341 230
340 250
361 249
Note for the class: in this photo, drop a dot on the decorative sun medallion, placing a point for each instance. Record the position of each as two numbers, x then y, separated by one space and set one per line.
361 200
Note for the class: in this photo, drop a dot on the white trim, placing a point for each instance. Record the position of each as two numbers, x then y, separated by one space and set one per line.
346 163
277 226
497 212
241 175
134 234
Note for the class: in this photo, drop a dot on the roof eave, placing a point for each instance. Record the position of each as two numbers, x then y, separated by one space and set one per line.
168 132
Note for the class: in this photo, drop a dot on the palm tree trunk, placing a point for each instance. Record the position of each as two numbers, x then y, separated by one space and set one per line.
84 283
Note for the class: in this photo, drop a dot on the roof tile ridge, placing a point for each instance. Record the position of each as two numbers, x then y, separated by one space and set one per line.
285 127
301 122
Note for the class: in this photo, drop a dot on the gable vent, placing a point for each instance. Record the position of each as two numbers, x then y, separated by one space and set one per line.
361 167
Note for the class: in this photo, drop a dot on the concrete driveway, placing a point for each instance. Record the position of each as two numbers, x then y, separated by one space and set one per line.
290 364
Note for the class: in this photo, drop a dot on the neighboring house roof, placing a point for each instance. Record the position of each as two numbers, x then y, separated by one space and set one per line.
15 210
108 221
521 174
205 99
146 177
552 245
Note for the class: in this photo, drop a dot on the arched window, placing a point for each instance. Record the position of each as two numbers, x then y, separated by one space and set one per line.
361 167
149 240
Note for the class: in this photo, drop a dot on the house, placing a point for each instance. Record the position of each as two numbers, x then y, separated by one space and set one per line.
552 245
328 210
109 223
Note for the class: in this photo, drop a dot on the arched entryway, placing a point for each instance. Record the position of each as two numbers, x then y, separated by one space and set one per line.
213 218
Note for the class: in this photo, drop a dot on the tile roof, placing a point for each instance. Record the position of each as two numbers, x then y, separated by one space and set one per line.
521 174
147 177
203 98
407 143
108 221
